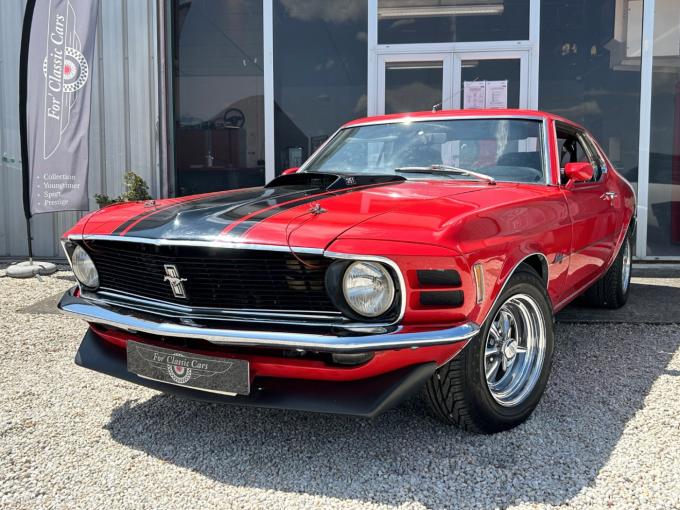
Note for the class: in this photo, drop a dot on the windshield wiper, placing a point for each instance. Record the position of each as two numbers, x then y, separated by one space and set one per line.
445 169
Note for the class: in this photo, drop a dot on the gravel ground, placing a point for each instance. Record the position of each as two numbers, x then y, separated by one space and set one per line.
606 434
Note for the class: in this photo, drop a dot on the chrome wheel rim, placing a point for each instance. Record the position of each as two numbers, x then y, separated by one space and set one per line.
627 262
514 350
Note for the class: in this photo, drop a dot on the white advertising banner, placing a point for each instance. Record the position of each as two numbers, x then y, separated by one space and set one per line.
58 68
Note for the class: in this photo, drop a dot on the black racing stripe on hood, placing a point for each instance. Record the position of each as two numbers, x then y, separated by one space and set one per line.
207 218
242 228
155 210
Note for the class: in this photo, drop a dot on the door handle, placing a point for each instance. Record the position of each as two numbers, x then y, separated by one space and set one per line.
609 195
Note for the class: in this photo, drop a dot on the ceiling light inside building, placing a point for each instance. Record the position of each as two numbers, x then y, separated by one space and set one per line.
436 11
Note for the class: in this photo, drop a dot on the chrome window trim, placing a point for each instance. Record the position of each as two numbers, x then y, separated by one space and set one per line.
547 167
547 177
429 118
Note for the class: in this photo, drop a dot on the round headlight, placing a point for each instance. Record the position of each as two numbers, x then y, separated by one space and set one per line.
83 268
368 288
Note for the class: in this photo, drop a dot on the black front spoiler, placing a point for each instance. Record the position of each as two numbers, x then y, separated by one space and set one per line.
365 397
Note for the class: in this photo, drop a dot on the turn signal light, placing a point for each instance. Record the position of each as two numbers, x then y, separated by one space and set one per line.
478 273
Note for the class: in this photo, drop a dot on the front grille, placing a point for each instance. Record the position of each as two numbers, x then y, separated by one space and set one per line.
215 277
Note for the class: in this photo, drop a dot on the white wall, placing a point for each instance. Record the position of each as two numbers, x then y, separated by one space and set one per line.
123 129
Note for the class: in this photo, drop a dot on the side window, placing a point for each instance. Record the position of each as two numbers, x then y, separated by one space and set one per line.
599 166
571 149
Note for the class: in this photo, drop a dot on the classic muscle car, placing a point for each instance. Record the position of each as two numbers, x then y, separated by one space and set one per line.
425 251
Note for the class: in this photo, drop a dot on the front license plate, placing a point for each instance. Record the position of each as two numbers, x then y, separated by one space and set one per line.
206 373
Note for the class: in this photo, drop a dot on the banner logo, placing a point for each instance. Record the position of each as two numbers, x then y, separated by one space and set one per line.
66 71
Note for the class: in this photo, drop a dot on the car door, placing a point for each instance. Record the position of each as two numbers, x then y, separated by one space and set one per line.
591 207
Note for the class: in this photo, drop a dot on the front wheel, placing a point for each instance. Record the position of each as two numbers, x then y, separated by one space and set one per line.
495 383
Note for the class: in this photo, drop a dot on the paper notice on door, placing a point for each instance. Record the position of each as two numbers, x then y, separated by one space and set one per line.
474 94
497 94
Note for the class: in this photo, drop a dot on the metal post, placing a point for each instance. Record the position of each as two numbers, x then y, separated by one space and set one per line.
646 74
30 240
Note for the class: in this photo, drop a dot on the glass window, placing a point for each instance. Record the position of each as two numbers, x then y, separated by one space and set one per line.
320 67
428 21
506 149
413 86
571 149
663 223
218 95
492 70
589 72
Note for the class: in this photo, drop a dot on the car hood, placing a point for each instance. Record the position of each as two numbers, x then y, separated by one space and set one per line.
303 210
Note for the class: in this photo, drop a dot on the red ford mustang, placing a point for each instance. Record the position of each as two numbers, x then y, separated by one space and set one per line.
413 251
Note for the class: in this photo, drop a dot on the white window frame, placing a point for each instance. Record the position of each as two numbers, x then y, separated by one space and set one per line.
447 74
646 76
491 49
268 50
526 100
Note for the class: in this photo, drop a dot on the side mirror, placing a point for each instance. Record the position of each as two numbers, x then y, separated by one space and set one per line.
578 172
290 170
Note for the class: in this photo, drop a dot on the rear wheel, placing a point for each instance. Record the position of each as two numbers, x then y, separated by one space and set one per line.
611 291
495 383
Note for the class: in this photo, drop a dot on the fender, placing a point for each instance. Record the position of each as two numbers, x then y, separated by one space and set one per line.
498 283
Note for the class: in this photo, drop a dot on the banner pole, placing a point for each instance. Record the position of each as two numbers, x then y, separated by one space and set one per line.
26 269
30 241
23 92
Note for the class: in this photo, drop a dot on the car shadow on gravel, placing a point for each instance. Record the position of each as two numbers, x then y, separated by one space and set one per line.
601 376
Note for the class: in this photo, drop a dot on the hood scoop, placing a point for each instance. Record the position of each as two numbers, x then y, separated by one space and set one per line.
330 182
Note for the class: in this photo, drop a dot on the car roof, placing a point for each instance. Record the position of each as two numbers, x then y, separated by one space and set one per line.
449 114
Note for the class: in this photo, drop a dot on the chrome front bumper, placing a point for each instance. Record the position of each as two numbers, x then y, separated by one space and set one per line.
135 321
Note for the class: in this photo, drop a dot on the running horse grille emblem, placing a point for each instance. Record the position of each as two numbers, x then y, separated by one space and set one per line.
172 276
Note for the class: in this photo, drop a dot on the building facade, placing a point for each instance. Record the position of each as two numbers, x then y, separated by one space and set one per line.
199 95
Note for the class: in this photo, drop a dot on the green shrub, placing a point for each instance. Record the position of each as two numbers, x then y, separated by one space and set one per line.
136 189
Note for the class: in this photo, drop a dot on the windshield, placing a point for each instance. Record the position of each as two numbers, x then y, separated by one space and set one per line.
505 149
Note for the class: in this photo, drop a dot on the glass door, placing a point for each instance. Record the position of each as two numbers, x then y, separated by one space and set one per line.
410 82
491 79
414 82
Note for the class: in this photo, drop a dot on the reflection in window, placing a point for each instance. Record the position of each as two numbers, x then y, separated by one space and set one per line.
506 149
218 95
413 86
320 61
586 76
424 21
663 224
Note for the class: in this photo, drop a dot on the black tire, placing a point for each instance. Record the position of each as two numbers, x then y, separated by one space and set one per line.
611 291
458 392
